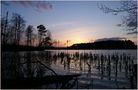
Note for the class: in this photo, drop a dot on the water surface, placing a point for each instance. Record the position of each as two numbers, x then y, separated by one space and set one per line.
98 68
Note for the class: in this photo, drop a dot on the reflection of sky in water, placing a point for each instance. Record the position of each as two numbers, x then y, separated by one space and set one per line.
94 73
74 64
89 67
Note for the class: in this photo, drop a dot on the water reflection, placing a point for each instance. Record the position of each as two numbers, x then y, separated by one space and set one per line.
112 66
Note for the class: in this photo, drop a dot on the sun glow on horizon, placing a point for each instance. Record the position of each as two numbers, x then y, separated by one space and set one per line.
78 40
74 36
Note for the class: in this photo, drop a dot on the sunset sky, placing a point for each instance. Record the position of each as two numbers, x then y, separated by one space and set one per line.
77 21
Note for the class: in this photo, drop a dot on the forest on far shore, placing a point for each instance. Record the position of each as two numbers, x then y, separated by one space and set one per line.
110 44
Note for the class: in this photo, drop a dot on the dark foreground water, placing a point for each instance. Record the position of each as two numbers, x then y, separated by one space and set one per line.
98 68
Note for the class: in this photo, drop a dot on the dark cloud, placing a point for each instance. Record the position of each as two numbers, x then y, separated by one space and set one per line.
36 5
119 25
5 3
134 32
113 38
43 6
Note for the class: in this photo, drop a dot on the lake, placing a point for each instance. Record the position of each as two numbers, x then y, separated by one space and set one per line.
98 68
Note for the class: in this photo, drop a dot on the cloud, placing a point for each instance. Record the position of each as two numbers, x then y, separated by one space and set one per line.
5 3
134 32
61 24
113 38
36 5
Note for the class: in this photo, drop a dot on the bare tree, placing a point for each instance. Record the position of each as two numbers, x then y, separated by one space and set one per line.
29 33
18 25
130 20
48 40
56 42
34 39
67 42
4 27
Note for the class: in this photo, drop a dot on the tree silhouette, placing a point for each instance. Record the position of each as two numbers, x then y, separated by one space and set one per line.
109 44
56 42
67 42
29 32
47 40
130 20
4 26
41 30
18 25
11 29
34 39
13 33
44 36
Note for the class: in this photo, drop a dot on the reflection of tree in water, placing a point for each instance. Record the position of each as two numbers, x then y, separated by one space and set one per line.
35 68
10 65
17 65
27 64
68 61
89 68
106 64
55 57
62 55
109 67
80 64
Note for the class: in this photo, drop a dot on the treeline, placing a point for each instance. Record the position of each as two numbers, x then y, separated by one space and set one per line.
109 44
9 47
15 32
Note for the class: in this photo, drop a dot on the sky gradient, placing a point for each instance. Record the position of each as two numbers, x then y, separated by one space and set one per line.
77 21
